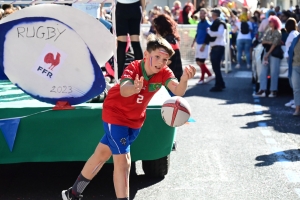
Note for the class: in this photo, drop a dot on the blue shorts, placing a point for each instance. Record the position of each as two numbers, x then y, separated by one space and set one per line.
119 138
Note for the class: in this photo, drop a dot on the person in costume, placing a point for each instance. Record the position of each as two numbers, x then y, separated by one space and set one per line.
124 113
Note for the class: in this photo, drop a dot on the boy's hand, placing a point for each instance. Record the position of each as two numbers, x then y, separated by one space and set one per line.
188 73
138 84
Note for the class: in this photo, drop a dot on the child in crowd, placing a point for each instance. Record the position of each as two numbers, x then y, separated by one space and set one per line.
124 113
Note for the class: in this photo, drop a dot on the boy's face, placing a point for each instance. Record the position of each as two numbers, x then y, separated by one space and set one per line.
156 60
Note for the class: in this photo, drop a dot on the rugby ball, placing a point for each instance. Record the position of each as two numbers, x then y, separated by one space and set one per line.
175 111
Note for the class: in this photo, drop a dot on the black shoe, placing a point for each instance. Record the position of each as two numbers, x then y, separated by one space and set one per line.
216 89
67 195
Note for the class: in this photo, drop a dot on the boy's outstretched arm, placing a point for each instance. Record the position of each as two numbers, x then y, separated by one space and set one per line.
130 87
179 89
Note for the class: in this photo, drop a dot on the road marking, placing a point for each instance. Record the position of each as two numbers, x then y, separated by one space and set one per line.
265 132
297 190
271 141
243 74
262 124
292 176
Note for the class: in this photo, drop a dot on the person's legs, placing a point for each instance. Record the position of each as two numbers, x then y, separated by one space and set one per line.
122 30
247 48
216 57
274 70
134 30
91 168
122 164
240 46
296 88
263 77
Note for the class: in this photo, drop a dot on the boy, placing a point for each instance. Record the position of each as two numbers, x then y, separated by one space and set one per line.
124 114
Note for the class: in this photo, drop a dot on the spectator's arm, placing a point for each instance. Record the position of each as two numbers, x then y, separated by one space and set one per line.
218 33
143 4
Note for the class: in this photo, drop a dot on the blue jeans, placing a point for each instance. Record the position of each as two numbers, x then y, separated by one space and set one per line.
274 66
290 74
243 45
296 84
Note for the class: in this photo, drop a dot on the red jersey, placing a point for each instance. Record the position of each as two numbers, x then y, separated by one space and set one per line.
131 111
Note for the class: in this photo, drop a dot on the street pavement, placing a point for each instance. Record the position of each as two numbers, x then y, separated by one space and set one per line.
239 148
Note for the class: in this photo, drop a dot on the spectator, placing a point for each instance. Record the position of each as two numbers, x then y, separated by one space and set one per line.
291 28
167 11
165 26
202 46
185 14
294 62
264 25
8 9
216 37
201 5
244 40
271 42
257 15
176 10
277 11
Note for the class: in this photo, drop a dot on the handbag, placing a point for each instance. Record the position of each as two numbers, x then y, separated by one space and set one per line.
277 52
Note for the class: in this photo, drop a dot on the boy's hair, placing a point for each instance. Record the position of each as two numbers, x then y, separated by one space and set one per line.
6 6
154 42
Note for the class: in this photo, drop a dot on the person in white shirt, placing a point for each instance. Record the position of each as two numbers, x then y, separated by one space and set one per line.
216 36
291 28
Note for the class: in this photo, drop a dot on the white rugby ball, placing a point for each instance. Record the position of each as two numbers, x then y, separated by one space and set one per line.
175 111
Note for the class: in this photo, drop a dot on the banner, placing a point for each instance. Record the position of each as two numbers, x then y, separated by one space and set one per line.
9 128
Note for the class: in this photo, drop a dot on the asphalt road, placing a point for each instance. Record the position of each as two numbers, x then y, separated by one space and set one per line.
239 148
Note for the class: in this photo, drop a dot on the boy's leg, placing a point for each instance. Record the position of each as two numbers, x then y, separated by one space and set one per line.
122 164
91 168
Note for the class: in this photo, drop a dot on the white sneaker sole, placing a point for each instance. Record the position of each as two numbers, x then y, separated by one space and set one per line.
63 194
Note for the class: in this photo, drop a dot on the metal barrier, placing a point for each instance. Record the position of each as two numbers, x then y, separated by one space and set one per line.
187 34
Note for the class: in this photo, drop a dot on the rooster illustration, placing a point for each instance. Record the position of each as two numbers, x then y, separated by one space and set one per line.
49 59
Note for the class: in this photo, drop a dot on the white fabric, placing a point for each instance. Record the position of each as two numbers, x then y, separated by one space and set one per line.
240 34
199 54
220 34
203 54
127 1
293 34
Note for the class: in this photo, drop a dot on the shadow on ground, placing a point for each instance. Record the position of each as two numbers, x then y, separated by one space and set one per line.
240 90
281 156
25 179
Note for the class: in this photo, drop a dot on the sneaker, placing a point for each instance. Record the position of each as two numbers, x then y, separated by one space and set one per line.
67 195
293 106
210 78
273 94
290 103
296 113
200 82
238 66
260 93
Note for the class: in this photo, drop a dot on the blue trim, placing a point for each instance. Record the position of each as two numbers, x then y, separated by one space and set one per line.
98 85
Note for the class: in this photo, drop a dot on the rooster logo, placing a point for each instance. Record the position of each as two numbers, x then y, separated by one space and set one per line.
49 59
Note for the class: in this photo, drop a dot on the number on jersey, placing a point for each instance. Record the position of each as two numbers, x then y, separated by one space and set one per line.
140 98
